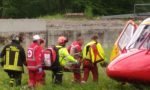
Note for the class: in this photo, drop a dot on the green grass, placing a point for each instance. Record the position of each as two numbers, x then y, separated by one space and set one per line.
105 83
62 16
56 16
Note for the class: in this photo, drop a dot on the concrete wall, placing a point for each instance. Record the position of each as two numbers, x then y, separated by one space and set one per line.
107 30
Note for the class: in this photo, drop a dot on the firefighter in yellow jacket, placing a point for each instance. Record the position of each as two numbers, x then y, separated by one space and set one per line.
92 54
12 60
63 58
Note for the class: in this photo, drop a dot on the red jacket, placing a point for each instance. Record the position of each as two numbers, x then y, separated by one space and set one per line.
34 59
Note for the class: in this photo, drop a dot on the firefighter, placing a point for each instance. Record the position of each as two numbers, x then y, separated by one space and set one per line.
12 59
62 59
92 54
34 62
75 49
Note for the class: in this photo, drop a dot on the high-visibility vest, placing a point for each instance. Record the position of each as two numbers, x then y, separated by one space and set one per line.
93 51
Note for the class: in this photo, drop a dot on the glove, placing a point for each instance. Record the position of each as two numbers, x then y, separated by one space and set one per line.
75 63
104 64
40 70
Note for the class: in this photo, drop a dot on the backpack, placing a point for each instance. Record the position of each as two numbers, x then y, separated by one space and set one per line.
93 48
72 47
69 48
49 56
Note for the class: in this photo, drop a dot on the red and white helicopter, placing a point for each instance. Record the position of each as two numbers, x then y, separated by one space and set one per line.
123 39
132 61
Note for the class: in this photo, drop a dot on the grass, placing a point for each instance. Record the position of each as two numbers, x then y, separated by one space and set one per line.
56 16
62 16
105 83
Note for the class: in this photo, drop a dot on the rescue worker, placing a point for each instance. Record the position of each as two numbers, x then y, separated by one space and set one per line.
41 78
62 59
75 49
92 54
12 59
34 62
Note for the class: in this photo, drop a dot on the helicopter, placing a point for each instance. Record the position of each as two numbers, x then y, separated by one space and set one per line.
123 39
132 65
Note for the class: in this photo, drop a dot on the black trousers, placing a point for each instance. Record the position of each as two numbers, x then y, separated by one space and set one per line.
57 74
16 76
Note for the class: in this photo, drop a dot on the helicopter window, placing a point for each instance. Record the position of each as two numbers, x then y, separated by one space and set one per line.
126 36
141 40
146 44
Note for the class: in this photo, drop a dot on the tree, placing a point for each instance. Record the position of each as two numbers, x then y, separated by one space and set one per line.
36 8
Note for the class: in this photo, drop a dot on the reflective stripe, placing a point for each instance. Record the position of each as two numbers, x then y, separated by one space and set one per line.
65 58
60 73
7 57
33 67
37 66
31 60
12 67
16 58
1 59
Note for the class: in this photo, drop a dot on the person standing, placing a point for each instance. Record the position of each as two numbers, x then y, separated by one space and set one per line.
92 54
41 78
12 60
34 62
62 59
75 49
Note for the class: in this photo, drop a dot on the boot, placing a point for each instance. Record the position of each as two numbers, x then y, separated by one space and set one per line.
11 82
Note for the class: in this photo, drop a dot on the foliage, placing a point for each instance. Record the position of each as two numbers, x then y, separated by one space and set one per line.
56 16
36 8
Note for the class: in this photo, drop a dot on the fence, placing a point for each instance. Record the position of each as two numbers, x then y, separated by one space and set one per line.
107 30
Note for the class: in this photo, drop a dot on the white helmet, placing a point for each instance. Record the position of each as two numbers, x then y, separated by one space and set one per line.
36 37
15 37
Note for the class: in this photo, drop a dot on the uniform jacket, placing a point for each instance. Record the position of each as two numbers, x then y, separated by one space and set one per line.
13 57
64 56
34 57
93 51
76 50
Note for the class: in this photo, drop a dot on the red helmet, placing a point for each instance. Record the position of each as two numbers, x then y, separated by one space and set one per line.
62 40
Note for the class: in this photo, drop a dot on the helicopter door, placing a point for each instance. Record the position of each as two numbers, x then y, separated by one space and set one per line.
126 35
123 39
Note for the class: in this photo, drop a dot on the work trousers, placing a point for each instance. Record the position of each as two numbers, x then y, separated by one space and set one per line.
15 77
89 66
36 77
77 73
57 74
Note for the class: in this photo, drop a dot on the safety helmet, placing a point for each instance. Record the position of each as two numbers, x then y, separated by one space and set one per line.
15 37
62 40
36 37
